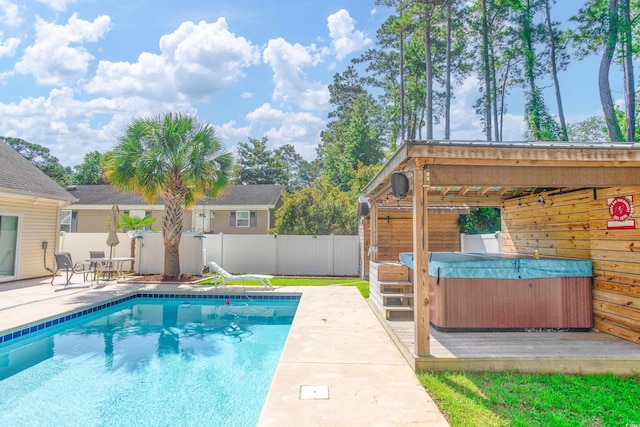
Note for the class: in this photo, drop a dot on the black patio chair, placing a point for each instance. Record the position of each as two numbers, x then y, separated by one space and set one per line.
64 263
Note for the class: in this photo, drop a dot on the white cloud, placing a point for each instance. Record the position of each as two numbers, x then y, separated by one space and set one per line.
246 95
373 11
231 134
196 61
8 47
52 59
58 5
265 114
299 129
288 62
345 40
70 127
9 14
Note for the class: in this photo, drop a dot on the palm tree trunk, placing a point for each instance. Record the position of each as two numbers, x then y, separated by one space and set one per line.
172 225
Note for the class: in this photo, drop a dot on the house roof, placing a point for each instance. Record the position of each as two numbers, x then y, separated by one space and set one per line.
19 176
235 195
238 195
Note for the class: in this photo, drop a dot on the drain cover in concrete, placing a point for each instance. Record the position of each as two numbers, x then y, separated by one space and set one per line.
308 392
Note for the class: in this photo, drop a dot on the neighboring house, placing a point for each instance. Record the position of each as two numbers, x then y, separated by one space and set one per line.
242 209
30 205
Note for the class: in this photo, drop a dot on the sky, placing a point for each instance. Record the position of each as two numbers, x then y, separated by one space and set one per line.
75 73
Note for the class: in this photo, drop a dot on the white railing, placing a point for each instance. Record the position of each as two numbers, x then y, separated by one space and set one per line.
271 254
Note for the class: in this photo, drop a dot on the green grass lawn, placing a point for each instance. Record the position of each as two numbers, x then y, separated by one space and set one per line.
512 399
362 285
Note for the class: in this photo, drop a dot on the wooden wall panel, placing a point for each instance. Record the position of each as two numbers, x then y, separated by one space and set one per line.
616 265
574 225
395 233
559 227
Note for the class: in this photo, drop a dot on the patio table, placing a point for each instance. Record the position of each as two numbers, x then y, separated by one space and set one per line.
108 265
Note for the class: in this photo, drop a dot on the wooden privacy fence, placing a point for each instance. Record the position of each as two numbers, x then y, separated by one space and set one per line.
271 254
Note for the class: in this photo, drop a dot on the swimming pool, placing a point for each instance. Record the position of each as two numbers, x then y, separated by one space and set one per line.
146 360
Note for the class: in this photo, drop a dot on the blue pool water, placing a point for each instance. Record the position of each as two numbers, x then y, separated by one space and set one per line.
147 361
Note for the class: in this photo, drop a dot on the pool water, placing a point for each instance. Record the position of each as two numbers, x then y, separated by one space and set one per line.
169 362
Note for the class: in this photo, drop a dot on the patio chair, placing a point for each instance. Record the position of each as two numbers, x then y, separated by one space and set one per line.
64 263
227 277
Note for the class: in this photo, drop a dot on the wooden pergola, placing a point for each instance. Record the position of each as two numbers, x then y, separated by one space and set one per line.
470 173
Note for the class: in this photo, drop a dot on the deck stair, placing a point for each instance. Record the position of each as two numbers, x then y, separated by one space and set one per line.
390 290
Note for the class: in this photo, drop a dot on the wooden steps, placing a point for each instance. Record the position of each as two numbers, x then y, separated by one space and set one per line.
390 291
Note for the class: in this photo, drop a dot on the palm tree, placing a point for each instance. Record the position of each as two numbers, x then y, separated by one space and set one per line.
128 222
173 156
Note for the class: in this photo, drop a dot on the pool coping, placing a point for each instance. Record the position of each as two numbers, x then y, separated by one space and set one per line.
7 336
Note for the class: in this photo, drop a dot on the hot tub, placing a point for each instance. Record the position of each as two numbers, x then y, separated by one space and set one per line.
469 291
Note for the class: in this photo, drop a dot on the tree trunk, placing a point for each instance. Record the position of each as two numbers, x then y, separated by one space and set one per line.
487 73
613 127
554 72
133 254
402 124
447 105
172 225
629 89
428 75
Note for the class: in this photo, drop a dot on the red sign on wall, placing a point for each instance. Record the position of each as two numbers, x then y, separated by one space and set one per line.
621 212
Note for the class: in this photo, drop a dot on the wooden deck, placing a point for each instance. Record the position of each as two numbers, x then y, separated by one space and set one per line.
563 352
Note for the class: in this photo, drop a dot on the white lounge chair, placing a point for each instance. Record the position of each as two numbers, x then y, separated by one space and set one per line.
228 277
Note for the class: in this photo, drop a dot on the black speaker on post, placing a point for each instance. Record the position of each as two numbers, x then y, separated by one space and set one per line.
399 185
364 208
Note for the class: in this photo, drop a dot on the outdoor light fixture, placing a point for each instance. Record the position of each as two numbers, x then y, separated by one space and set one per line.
519 204
540 200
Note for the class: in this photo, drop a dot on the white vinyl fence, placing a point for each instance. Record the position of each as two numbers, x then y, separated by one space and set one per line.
270 254
481 243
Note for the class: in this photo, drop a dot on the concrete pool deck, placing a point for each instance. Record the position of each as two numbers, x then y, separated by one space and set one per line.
339 366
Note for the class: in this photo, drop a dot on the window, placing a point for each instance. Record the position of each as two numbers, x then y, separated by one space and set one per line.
69 221
243 219
8 246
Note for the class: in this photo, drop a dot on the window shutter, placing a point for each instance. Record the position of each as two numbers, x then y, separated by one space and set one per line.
253 222
232 219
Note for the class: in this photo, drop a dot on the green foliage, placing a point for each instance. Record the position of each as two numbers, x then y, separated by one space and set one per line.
41 157
541 126
591 129
90 170
480 221
317 210
128 222
323 208
258 165
356 136
512 399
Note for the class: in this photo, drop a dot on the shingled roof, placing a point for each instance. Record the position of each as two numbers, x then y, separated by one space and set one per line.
235 195
19 176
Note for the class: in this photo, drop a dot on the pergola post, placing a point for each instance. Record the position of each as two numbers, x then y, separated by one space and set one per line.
420 264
